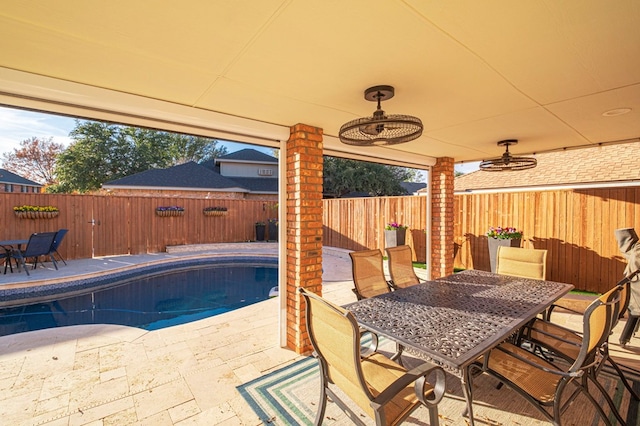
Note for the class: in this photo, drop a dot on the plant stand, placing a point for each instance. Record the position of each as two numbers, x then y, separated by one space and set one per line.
494 243
395 237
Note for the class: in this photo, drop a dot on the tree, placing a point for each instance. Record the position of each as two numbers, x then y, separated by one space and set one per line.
342 176
35 160
102 152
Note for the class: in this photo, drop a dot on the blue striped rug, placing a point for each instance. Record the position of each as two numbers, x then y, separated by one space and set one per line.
289 396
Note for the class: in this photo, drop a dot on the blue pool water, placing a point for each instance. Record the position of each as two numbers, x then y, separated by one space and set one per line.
153 301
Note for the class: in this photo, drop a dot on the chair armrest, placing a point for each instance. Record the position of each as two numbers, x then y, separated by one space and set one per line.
418 376
372 347
527 361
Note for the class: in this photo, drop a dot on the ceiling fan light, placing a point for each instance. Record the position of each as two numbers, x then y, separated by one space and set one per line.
380 129
507 162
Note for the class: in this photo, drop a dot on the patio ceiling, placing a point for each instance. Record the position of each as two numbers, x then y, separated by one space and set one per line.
474 72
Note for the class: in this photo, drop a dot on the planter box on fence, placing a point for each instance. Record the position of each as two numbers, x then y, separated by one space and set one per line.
168 213
36 215
214 213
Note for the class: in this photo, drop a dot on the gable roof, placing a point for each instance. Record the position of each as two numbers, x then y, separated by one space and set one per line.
615 164
9 177
248 155
413 187
184 176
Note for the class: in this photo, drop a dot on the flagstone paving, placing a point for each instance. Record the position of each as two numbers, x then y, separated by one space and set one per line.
181 375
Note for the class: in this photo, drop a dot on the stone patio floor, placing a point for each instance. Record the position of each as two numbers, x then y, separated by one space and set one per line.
181 375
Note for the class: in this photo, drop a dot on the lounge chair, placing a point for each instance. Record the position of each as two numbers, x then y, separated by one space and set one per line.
382 388
56 243
401 267
38 245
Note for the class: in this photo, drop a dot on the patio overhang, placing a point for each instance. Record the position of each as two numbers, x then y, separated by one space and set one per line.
550 75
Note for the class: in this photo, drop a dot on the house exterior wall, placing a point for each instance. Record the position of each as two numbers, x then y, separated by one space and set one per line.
248 170
14 187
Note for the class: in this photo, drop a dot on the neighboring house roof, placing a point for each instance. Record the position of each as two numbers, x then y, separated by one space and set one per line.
9 177
248 156
612 165
413 187
188 176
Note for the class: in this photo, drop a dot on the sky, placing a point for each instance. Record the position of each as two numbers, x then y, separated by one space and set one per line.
17 125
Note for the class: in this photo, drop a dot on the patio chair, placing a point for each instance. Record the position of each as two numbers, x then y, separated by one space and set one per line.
56 243
566 343
39 245
368 274
543 383
383 389
520 262
401 267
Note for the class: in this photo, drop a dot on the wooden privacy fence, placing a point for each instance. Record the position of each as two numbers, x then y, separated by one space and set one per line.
575 226
358 223
115 225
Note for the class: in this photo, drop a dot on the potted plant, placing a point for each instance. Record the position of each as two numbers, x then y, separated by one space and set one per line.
165 211
214 211
36 212
395 234
501 236
260 231
273 229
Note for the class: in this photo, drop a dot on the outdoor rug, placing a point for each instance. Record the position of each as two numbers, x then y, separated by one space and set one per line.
289 396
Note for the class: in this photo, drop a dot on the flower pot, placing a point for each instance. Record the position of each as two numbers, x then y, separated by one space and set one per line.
494 243
273 231
260 232
395 237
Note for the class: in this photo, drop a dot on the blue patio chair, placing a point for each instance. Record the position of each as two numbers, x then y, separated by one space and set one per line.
38 245
56 243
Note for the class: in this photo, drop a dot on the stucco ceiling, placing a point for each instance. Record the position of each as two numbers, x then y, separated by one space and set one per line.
542 72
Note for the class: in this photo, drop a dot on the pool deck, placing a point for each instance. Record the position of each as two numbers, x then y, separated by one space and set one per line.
181 375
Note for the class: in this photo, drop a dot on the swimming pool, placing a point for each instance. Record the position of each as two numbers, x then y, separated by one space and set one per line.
149 298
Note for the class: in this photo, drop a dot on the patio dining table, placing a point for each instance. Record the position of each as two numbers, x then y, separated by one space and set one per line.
451 321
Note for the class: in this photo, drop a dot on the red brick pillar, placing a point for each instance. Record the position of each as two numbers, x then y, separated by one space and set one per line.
442 174
304 228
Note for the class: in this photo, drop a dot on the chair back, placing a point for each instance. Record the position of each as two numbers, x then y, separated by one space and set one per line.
39 244
58 239
598 321
521 262
335 338
401 266
368 274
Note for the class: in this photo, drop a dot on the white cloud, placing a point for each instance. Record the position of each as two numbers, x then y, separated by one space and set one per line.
17 125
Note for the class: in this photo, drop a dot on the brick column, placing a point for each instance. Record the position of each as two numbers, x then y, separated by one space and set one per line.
442 174
304 228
